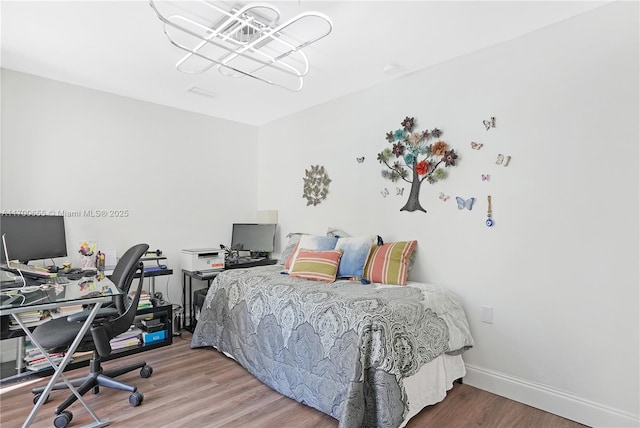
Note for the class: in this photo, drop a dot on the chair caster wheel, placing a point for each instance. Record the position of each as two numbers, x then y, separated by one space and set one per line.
146 371
63 419
136 399
37 396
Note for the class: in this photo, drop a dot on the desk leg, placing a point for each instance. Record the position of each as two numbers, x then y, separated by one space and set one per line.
192 310
20 364
191 320
60 369
184 300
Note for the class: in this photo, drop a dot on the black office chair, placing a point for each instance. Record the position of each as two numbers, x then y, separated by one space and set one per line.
109 322
122 276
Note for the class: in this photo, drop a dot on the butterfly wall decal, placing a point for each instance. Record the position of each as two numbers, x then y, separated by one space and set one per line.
399 191
360 159
384 192
443 197
476 146
485 177
503 160
491 123
468 204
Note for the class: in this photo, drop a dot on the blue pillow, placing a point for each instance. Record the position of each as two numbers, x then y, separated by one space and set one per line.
355 252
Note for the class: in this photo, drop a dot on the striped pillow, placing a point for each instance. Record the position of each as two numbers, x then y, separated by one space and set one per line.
388 263
313 242
316 265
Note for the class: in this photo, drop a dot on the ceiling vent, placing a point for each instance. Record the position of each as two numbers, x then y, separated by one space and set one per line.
203 92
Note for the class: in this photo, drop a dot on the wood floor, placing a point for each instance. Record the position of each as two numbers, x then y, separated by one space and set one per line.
203 388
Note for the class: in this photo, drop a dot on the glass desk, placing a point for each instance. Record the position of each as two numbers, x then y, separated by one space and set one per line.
88 290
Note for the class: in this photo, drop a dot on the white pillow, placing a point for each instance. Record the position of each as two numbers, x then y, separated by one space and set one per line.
294 238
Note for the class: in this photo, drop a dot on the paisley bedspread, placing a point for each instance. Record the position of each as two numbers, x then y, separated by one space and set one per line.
343 348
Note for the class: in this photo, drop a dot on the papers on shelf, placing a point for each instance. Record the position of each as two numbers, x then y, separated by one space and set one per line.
129 338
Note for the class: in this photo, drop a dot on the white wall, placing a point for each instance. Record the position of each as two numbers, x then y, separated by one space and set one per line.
560 268
184 178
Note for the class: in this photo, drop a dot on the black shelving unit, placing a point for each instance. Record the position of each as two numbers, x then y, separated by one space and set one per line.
163 312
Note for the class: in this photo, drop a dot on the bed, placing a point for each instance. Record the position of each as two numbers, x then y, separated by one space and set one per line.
366 354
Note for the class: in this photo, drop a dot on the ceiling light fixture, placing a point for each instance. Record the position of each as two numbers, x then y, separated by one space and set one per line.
242 40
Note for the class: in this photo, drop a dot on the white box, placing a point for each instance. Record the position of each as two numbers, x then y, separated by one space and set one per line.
202 259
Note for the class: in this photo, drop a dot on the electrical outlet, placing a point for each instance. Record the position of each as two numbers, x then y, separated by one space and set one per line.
487 314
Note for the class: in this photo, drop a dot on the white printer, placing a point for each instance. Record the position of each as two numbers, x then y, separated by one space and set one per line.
202 260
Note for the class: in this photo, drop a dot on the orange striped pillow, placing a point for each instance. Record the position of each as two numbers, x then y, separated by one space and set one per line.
316 265
388 263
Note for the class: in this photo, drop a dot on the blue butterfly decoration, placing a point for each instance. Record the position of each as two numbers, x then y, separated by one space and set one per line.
468 204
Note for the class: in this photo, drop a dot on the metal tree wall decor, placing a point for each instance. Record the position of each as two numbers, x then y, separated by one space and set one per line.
412 159
316 185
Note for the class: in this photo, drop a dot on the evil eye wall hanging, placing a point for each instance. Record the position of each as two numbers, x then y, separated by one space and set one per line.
489 222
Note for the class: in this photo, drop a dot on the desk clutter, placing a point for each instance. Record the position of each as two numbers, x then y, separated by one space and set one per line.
154 256
153 327
113 331
29 284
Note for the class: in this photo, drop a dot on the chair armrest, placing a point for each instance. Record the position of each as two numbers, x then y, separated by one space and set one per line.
102 313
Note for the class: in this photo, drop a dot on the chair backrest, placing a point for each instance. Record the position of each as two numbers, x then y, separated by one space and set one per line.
108 330
130 264
125 271
123 322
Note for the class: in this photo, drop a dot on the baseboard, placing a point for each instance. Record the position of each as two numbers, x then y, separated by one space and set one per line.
549 399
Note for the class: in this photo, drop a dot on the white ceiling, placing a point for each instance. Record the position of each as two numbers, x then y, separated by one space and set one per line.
119 47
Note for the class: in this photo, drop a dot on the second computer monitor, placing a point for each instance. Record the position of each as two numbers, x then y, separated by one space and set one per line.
258 239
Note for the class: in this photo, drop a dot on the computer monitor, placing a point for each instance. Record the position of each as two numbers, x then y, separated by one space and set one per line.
258 239
33 237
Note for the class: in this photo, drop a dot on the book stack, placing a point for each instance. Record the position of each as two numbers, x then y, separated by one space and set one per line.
36 361
145 299
30 319
68 310
128 339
